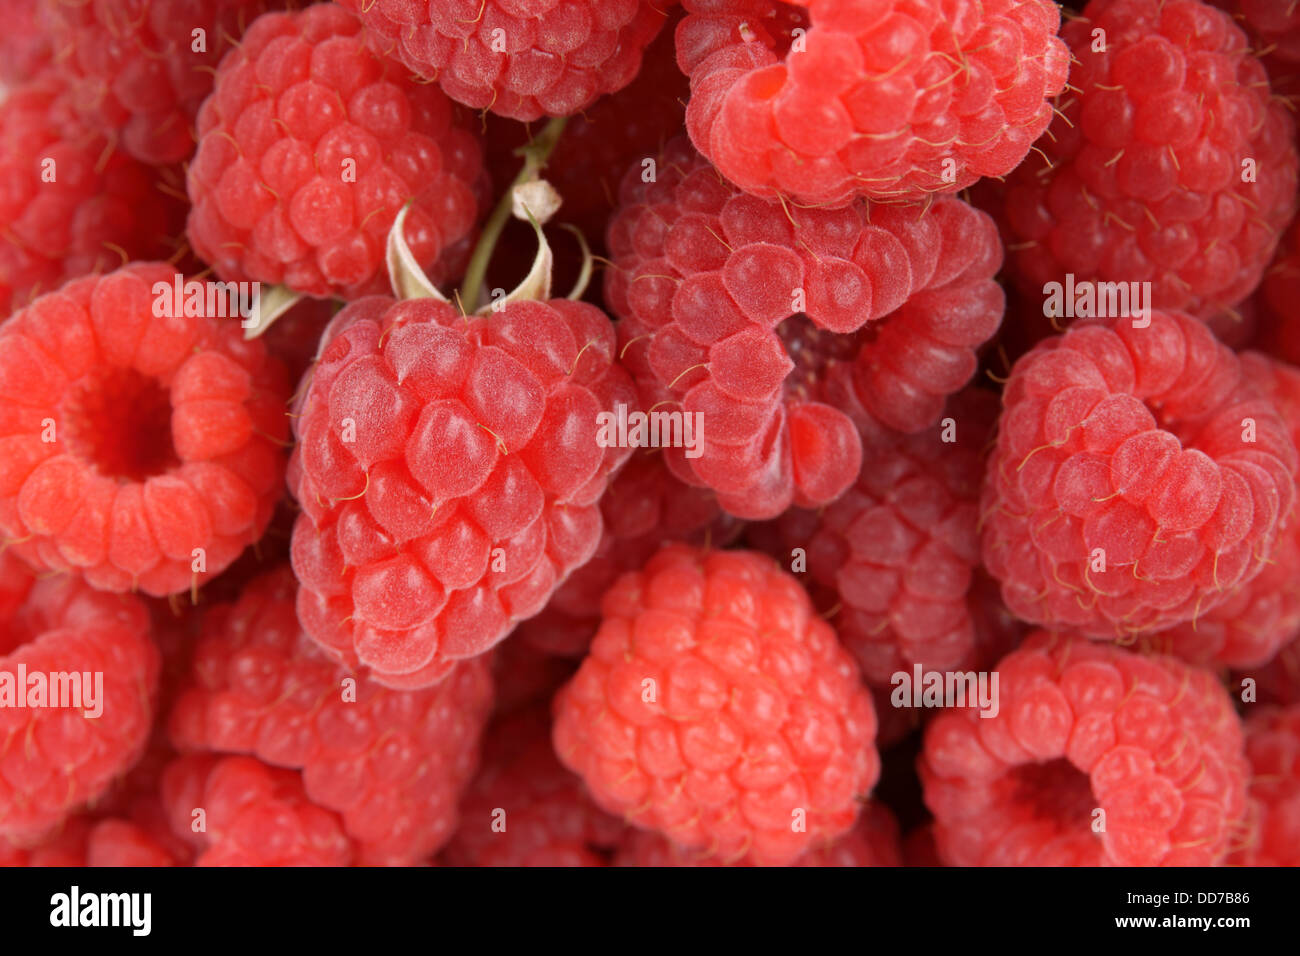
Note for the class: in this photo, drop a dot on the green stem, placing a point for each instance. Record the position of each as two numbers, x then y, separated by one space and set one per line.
535 156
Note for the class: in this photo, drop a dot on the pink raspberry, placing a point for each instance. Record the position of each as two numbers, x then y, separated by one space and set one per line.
716 708
391 764
1273 749
309 147
25 43
645 508
72 204
1081 727
1253 622
897 551
142 452
1139 477
55 756
449 473
518 58
874 841
783 327
1170 165
822 100
524 809
240 812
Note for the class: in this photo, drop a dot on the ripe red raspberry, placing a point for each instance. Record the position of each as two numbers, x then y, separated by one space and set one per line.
1253 622
823 100
391 764
897 551
25 42
717 709
138 69
240 812
738 310
874 841
1274 27
1139 477
1171 165
84 841
1082 727
449 473
56 757
645 508
142 452
524 809
1273 749
518 58
310 145
71 203
1278 300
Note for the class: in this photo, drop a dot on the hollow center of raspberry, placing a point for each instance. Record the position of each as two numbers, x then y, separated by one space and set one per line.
119 421
813 351
1057 791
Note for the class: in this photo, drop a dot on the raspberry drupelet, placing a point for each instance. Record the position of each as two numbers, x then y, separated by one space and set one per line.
1096 756
717 709
59 753
1139 477
449 472
522 59
821 101
140 451
1172 165
310 145
391 764
789 329
1273 749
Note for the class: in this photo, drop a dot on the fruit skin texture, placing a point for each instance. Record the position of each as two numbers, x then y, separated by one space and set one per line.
253 815
897 552
891 99
1249 627
83 841
309 147
25 44
789 329
391 764
715 706
1150 740
874 841
1273 749
54 760
1146 179
522 59
166 436
470 487
100 205
1137 442
549 820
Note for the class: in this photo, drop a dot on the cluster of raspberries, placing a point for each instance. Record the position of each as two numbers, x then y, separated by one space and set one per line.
917 482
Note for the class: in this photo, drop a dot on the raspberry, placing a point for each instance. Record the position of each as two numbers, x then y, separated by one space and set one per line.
1273 748
83 841
1279 299
1150 741
731 307
449 473
645 508
55 758
898 549
822 100
390 764
873 842
72 205
717 709
1171 165
139 451
522 59
1138 478
251 814
1276 29
25 43
1252 623
309 147
524 809
134 67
